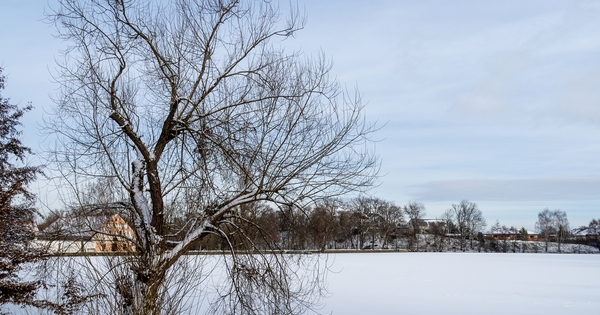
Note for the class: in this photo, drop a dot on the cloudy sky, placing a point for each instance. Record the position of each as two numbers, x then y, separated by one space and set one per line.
497 102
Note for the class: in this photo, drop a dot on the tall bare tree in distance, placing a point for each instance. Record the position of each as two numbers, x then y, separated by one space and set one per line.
561 223
553 224
415 212
468 220
198 98
545 225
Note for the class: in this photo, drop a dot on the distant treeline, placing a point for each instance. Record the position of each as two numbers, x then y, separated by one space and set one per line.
366 223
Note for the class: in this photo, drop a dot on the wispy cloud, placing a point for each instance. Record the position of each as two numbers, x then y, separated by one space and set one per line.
509 189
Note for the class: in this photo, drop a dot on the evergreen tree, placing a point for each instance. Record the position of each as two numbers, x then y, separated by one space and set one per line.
16 207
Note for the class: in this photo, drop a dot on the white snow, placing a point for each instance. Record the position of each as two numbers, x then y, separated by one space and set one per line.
445 283
464 283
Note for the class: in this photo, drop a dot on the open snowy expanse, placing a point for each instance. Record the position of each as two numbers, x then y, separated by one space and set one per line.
463 283
444 283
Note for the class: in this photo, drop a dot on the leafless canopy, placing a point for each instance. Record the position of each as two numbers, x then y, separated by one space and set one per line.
552 224
199 99
467 219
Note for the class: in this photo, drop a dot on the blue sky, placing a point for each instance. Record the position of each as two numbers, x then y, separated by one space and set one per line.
495 102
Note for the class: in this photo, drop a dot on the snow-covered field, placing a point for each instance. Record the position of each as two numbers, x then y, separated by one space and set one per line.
451 283
463 283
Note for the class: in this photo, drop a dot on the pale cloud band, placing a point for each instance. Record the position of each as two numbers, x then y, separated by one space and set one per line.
509 189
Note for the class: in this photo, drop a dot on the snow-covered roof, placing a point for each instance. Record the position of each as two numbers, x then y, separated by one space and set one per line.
428 222
76 226
508 232
434 222
584 232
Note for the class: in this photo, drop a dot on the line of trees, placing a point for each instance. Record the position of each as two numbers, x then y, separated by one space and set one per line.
359 223
374 223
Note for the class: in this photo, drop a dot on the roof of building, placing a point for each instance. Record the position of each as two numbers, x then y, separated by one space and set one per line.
77 227
585 232
509 232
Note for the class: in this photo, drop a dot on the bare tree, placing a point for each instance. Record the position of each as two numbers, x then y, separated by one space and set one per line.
347 228
415 212
365 221
439 232
323 222
545 226
561 225
594 226
468 220
376 219
102 191
199 98
496 227
514 236
444 232
390 217
553 224
524 236
593 230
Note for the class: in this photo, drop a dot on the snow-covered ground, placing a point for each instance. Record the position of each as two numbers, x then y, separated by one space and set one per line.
447 283
463 283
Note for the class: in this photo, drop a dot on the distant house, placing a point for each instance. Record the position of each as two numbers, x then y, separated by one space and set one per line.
88 234
585 233
511 235
428 225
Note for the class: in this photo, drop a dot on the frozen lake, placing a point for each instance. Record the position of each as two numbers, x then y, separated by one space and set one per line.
463 283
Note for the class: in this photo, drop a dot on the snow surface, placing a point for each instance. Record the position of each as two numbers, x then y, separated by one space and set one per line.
463 283
446 283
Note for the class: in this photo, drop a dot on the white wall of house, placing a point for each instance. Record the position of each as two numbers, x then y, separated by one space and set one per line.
65 247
